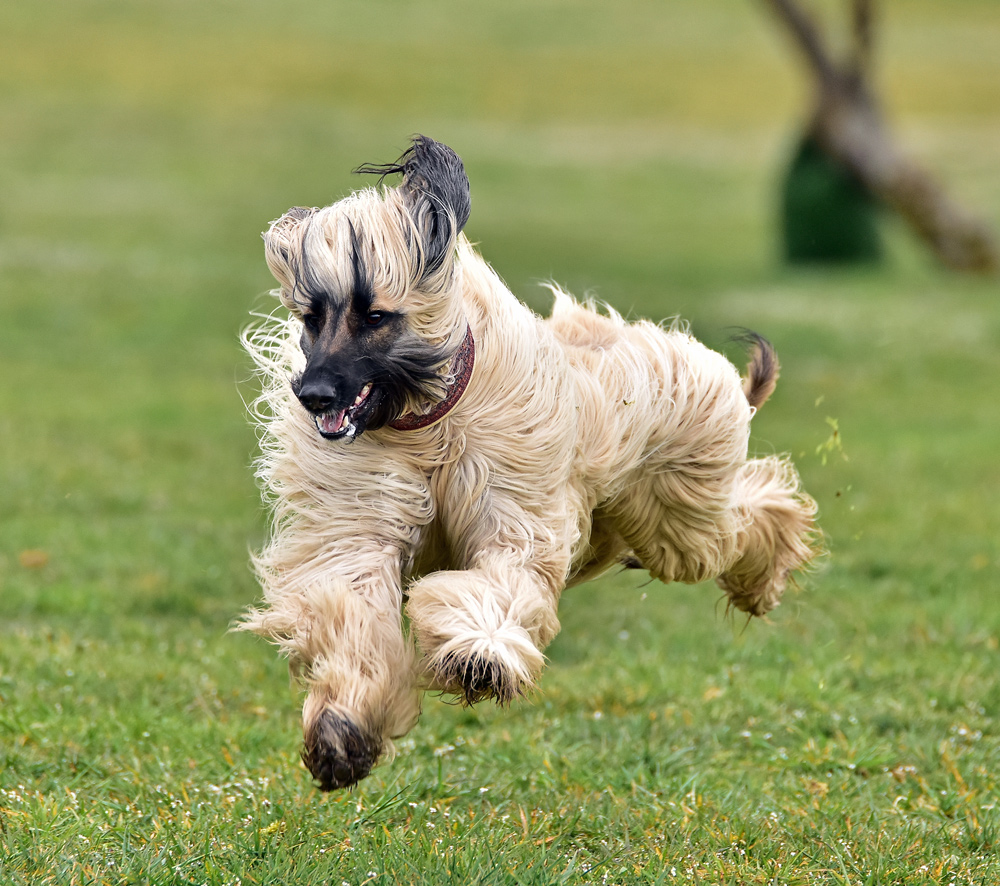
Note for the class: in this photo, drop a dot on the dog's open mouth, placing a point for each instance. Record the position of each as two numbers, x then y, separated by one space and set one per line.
342 424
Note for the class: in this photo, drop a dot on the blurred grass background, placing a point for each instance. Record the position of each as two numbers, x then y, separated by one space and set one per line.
631 151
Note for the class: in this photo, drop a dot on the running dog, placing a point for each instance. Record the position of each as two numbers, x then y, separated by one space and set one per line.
431 446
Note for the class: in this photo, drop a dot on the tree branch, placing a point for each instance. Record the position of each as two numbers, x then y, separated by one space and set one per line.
806 34
853 133
862 28
849 126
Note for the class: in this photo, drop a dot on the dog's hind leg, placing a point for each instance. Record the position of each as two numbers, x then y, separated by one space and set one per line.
693 508
778 537
748 527
680 525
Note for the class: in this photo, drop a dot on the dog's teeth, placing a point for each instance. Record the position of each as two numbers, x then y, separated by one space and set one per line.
331 422
365 391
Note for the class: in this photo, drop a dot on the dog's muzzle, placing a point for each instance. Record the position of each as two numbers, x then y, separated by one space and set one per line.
333 424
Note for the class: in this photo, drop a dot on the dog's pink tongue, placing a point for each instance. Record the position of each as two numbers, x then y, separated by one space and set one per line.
330 424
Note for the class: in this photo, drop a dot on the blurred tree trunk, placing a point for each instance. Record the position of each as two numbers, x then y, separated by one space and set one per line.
848 125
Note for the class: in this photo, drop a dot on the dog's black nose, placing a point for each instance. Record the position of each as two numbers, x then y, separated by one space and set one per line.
316 396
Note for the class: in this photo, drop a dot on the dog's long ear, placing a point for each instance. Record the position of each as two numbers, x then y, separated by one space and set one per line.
436 190
280 242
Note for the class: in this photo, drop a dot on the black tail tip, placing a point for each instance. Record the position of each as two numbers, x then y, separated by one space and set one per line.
762 369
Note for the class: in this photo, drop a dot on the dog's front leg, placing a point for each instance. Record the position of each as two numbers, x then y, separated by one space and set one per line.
338 618
482 630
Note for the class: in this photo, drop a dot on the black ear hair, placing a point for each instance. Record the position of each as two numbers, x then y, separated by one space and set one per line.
437 190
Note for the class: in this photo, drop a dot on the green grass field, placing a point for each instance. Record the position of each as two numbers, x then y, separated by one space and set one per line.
630 150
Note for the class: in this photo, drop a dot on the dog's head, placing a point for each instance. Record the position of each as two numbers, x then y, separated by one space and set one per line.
372 279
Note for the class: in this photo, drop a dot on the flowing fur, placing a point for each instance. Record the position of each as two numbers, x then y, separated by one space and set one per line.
580 440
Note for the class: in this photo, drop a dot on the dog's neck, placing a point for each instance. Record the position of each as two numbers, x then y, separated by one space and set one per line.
461 368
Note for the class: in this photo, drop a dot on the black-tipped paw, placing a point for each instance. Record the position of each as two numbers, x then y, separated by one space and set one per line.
337 752
476 679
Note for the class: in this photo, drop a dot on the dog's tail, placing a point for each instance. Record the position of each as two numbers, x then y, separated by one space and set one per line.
762 370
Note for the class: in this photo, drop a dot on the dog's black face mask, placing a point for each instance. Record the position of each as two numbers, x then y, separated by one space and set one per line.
364 363
337 386
362 366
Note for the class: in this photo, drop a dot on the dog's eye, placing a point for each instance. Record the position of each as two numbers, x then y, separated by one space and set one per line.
311 322
374 318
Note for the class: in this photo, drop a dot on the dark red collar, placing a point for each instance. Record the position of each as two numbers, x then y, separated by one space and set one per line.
461 366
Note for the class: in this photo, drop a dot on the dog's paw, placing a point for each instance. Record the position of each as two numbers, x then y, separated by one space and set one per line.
337 752
476 678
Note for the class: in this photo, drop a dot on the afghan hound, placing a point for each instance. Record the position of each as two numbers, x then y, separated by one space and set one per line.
433 448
